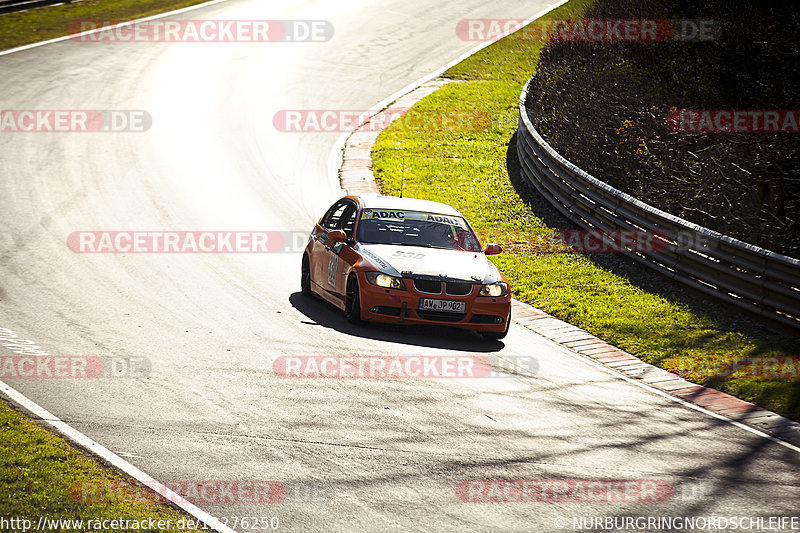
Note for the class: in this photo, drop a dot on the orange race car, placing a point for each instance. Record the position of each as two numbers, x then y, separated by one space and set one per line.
405 261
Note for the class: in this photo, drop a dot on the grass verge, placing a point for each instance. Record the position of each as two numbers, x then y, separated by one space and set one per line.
611 297
41 472
43 23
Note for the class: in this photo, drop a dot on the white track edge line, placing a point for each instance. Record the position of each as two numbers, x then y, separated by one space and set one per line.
662 393
95 448
105 28
335 157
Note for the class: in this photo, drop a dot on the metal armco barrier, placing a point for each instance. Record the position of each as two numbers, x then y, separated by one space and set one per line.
10 6
752 278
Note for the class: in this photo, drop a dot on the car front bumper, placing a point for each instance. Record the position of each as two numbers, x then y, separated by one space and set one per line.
483 313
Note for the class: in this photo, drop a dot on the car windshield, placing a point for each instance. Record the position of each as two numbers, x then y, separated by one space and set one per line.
416 228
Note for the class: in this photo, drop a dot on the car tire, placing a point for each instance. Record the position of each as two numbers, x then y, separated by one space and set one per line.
305 276
352 301
494 335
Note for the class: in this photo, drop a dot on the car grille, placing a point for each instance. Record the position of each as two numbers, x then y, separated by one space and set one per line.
428 285
457 288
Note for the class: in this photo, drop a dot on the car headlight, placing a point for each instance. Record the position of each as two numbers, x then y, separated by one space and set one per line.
494 289
385 281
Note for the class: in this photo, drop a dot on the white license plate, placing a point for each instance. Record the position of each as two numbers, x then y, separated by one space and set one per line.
450 306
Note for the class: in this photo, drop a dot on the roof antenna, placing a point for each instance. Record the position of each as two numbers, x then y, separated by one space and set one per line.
402 175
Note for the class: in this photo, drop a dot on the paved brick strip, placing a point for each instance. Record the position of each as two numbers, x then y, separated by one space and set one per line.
356 177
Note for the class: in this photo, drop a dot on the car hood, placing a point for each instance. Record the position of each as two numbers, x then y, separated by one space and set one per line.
430 262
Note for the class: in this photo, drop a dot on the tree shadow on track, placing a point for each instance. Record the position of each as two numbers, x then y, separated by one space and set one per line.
324 314
711 467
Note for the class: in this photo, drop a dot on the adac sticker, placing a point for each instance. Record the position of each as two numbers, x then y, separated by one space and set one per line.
383 213
444 219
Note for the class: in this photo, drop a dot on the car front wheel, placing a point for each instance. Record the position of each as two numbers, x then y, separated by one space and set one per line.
352 301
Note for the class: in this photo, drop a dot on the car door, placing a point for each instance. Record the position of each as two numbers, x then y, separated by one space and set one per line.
320 254
335 266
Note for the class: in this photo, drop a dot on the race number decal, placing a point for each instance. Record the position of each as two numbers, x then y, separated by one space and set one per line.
333 266
407 255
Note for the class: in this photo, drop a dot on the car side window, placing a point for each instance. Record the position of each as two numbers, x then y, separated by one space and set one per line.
332 218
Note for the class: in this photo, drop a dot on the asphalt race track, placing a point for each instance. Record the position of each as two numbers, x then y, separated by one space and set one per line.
388 453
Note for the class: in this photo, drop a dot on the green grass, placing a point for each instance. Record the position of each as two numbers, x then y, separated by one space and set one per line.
39 470
611 298
40 24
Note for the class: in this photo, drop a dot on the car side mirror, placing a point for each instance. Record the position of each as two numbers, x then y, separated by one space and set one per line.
492 249
335 236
